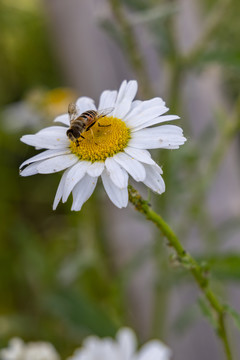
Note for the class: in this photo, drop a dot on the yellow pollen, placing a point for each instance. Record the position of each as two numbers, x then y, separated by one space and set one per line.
108 137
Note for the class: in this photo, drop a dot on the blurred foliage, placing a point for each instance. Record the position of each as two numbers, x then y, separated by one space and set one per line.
58 281
234 314
25 57
50 274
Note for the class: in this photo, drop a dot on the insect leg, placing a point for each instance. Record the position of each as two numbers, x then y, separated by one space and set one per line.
92 133
89 127
103 125
91 130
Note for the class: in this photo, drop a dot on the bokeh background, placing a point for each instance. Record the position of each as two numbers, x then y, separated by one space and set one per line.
66 275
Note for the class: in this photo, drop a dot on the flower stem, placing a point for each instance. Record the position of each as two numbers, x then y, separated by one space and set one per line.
188 262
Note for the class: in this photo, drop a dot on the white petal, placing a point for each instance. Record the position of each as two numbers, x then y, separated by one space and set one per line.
140 155
91 344
53 137
125 97
95 169
163 129
146 115
75 174
30 169
157 168
128 343
134 104
121 90
85 103
156 143
44 155
117 174
56 164
94 348
59 130
155 121
119 197
60 188
108 350
132 166
154 350
15 350
64 119
148 106
165 136
138 106
153 178
107 99
82 191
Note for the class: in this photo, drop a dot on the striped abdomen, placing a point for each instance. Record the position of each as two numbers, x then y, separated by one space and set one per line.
82 123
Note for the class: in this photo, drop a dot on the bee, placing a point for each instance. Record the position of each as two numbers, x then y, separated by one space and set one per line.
83 122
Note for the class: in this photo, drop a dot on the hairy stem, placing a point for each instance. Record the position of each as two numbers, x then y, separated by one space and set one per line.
188 262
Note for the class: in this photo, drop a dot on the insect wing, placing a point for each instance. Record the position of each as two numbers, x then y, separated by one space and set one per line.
73 112
104 112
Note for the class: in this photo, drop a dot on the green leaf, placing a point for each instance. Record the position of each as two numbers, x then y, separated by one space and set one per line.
207 312
79 313
224 267
235 315
136 4
153 14
226 57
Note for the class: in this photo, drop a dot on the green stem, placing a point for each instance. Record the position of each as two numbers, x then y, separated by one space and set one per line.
188 262
133 51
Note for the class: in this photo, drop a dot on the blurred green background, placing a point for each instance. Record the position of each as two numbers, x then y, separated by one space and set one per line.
66 275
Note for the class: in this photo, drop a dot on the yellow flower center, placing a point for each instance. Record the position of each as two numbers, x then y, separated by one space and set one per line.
108 137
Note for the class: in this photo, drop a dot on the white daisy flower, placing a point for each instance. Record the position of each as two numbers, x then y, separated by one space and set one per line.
115 148
14 351
18 350
123 348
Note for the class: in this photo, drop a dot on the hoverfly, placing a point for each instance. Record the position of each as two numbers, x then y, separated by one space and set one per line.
83 122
